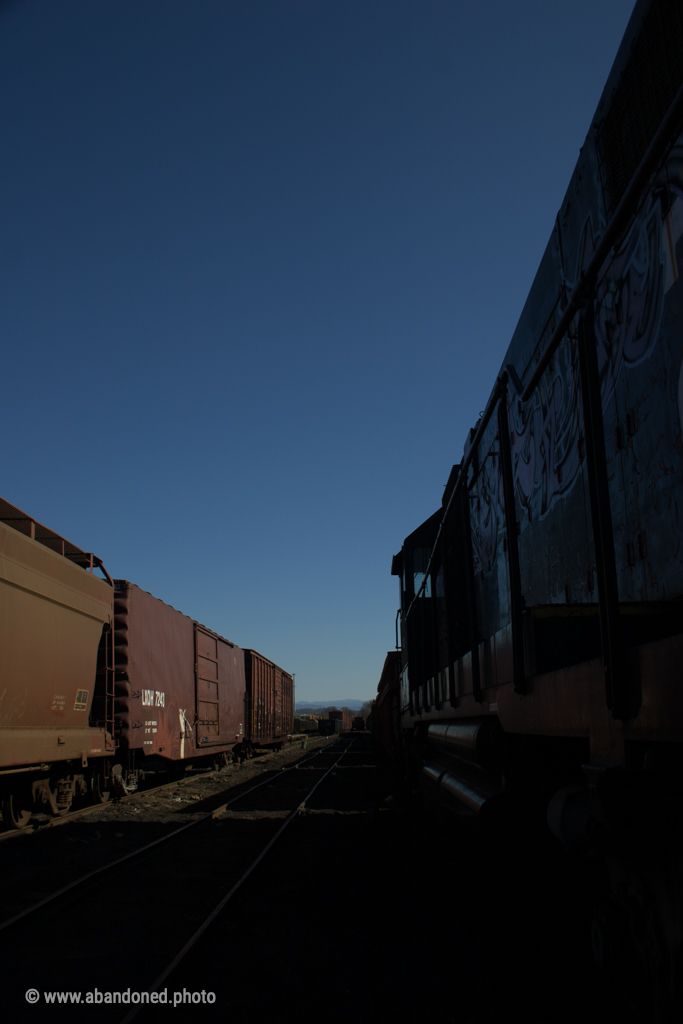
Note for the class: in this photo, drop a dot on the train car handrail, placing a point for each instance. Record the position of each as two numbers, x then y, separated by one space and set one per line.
651 158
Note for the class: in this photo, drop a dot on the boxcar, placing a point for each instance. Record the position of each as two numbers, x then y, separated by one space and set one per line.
385 710
269 701
305 725
179 686
341 716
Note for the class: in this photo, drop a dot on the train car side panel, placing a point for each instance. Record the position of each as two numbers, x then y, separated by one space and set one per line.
341 716
54 613
385 710
270 693
220 689
231 692
180 687
155 681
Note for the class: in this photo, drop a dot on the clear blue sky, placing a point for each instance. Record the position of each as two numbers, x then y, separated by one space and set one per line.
260 262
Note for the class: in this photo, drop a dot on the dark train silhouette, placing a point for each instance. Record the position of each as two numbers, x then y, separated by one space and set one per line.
542 602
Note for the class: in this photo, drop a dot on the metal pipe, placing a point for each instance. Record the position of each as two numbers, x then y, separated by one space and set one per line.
456 734
478 741
465 792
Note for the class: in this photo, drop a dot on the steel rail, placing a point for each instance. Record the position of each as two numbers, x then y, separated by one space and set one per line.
154 987
137 794
81 812
148 846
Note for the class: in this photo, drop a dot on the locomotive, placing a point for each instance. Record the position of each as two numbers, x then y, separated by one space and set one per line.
102 682
541 605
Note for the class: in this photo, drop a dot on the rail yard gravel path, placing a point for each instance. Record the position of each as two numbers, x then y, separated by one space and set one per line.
367 909
42 859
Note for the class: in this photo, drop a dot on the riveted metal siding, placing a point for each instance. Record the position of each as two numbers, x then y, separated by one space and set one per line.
179 686
269 700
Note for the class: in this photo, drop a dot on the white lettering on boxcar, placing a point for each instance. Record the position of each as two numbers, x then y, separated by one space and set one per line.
154 698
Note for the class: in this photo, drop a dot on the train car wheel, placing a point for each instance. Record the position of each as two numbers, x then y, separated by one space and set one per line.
99 794
14 813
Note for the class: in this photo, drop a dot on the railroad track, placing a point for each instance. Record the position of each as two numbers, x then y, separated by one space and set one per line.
112 894
257 896
83 812
140 851
208 921
188 779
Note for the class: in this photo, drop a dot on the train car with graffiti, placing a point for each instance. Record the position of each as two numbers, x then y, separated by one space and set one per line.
542 603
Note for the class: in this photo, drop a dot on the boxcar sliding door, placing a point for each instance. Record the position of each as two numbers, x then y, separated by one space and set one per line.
206 674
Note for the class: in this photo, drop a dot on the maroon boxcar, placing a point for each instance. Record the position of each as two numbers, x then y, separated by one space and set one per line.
341 716
179 686
385 710
269 701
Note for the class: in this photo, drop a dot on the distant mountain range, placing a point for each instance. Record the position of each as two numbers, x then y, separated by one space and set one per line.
355 705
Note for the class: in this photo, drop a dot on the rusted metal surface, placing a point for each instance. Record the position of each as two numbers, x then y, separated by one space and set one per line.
270 700
220 689
341 716
180 687
52 616
386 711
301 725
